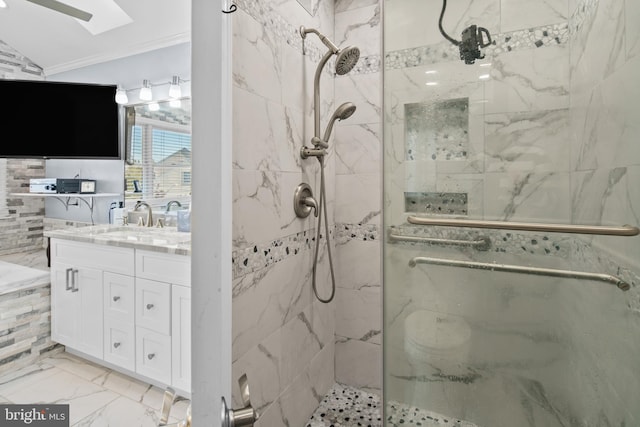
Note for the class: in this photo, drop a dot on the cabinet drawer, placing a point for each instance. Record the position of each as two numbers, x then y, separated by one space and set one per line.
119 294
153 305
101 257
174 269
120 343
153 355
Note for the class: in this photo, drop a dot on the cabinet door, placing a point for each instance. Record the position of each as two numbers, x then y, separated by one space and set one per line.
153 305
88 283
181 337
120 343
64 316
153 355
119 297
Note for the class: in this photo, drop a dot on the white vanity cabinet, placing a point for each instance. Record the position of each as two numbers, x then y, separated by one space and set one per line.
76 292
129 308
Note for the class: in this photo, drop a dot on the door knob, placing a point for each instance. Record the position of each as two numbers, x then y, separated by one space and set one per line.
245 416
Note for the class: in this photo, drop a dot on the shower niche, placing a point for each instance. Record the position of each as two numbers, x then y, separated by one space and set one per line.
436 141
437 130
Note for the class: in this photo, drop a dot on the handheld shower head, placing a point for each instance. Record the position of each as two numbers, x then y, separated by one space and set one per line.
343 112
347 59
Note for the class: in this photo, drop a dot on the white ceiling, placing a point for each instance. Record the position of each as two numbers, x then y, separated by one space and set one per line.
58 43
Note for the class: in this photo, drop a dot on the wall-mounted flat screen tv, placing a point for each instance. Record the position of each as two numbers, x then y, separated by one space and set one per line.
42 119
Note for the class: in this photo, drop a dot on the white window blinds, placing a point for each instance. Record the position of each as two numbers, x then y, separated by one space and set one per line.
162 163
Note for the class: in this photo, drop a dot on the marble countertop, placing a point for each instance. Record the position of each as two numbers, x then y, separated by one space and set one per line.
168 239
14 277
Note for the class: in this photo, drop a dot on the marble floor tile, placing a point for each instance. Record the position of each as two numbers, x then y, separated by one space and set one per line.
77 366
82 396
121 412
97 396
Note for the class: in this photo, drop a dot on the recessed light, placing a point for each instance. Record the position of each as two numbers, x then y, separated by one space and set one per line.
2 4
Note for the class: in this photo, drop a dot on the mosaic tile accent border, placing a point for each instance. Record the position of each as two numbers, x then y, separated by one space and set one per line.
258 256
275 23
549 35
436 203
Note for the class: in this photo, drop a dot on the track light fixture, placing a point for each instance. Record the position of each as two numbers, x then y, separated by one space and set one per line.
145 91
175 91
121 96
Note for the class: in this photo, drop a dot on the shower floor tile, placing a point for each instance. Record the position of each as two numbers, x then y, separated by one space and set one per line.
345 406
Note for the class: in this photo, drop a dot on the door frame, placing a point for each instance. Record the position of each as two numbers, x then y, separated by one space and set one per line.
211 218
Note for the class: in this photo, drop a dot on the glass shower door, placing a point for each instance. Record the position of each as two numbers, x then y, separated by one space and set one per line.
541 130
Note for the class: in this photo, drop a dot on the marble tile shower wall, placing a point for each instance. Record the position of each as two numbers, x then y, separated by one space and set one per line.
605 155
21 229
516 159
358 143
282 338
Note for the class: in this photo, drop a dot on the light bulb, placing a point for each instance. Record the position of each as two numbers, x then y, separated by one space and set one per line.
154 106
145 91
174 89
121 96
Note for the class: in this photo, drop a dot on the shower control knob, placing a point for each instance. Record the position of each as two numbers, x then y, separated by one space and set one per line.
303 201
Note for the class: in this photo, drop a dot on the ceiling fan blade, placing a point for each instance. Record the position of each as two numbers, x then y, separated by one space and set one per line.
64 8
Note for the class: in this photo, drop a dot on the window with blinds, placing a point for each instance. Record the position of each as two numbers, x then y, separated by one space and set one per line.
161 163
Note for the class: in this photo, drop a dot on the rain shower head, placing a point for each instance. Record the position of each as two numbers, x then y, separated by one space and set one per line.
347 59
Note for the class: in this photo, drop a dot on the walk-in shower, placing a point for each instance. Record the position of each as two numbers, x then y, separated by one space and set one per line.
346 59
511 207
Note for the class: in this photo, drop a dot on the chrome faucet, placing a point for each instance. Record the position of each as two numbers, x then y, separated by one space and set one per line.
149 222
173 202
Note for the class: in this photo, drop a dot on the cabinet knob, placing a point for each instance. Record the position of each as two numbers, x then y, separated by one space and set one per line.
116 298
151 356
149 306
116 344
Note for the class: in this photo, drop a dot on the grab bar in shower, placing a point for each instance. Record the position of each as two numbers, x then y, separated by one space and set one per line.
569 274
625 230
481 244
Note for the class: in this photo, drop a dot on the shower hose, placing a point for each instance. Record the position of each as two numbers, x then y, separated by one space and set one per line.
323 207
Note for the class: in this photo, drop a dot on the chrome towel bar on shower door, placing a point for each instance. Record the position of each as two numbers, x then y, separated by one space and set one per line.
569 274
481 244
625 230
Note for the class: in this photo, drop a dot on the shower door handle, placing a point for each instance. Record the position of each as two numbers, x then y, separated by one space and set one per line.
245 416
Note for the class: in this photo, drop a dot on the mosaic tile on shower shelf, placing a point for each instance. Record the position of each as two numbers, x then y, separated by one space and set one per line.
532 38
